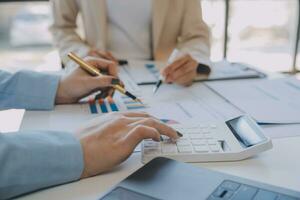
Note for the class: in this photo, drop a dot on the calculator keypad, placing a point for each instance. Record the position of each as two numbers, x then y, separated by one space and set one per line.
195 140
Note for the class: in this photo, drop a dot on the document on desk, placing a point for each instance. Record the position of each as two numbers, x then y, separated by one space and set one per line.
225 70
142 72
268 101
147 72
171 104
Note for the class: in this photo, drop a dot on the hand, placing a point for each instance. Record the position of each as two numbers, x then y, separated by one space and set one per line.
78 83
103 54
182 71
112 138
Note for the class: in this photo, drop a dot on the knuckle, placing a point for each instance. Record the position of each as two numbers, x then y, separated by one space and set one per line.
121 119
151 121
140 128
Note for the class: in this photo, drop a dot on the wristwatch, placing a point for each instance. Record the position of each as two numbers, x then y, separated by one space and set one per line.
203 69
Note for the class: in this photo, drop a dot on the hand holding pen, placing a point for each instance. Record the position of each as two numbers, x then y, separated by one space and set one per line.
93 71
78 84
181 69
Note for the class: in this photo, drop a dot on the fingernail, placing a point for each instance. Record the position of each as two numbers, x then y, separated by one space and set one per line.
115 81
161 138
179 134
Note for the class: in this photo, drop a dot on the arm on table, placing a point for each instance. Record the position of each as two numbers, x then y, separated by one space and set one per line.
35 160
27 90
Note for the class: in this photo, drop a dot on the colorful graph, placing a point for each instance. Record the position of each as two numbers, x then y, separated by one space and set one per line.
108 105
93 107
131 104
102 106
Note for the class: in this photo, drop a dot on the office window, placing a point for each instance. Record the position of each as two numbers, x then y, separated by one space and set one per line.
214 16
263 33
260 32
24 36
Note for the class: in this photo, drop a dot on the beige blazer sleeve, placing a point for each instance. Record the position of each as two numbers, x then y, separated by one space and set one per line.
195 36
64 28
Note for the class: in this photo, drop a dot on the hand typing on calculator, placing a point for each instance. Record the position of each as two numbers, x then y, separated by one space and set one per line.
235 139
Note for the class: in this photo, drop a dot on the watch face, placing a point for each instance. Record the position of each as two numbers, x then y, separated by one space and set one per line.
203 69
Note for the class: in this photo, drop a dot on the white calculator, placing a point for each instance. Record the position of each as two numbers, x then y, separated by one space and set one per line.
235 139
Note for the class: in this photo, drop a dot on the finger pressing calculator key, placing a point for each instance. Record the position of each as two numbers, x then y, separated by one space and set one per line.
235 139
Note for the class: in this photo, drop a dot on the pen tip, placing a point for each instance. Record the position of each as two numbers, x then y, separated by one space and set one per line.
157 86
140 101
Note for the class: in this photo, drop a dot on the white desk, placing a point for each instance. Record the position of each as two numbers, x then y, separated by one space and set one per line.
279 166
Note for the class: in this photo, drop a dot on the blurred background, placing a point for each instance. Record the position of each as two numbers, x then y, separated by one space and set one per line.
263 33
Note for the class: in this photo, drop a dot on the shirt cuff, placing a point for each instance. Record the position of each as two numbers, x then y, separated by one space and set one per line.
32 90
36 160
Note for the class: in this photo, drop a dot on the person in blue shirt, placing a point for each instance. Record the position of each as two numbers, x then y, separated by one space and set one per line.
30 161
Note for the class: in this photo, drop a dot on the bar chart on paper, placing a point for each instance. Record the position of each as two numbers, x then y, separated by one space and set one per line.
107 105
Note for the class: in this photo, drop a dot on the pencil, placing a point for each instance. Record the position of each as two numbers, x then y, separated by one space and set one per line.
95 72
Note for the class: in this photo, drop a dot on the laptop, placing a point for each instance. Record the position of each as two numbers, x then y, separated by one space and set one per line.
163 178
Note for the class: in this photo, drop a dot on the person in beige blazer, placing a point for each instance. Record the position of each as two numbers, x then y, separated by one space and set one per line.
173 24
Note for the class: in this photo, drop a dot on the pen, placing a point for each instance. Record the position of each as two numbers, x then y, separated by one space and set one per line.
95 72
122 62
161 79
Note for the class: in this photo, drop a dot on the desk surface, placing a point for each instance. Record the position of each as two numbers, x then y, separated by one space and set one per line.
279 166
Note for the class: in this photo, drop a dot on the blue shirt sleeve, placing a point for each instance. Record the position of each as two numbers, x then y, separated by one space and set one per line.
35 160
28 90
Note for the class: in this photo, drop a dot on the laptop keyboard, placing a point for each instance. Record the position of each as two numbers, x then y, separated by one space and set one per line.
237 191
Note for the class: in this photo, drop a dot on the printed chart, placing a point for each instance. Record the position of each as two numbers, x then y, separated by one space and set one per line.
107 105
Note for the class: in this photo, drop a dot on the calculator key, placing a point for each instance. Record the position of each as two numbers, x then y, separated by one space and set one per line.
187 149
187 129
151 144
205 130
183 143
197 131
198 142
152 151
214 148
208 136
211 141
184 136
222 193
169 149
201 149
245 192
213 126
230 185
265 195
196 136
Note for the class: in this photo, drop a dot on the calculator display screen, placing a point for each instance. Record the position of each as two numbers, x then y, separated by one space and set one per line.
246 131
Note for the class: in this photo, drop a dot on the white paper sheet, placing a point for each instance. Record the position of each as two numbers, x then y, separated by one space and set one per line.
223 70
268 101
282 131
